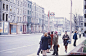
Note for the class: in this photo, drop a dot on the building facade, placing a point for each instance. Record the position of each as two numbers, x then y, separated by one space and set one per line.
37 18
13 18
29 16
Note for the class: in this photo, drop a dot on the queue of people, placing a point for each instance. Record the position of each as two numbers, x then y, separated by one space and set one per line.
49 42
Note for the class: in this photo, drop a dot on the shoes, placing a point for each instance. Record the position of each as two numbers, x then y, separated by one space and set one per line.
41 52
51 50
66 51
53 54
74 45
48 52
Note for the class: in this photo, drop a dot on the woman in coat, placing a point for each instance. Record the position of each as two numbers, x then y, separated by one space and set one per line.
44 44
51 39
75 38
49 42
65 40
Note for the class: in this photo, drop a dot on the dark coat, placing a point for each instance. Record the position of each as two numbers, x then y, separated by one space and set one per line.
65 40
75 36
55 39
44 43
49 40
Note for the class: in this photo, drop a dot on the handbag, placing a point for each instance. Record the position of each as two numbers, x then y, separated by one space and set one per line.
68 41
49 46
58 46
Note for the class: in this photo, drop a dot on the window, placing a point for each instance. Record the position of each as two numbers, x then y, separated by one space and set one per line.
18 2
85 7
85 2
17 10
84 15
7 7
11 18
20 11
85 24
42 16
20 19
6 0
3 16
28 5
3 6
17 19
28 11
14 18
42 11
11 8
6 17
81 23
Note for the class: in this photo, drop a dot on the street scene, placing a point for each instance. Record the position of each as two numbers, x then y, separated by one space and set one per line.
42 27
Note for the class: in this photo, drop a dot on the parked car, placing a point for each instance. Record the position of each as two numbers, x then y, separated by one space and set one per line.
59 33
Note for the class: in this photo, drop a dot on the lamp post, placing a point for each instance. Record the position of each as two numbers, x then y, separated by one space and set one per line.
70 21
48 21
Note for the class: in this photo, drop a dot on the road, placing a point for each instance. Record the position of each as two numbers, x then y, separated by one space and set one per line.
20 45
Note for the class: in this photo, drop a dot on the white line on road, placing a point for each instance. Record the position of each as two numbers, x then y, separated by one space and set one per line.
17 48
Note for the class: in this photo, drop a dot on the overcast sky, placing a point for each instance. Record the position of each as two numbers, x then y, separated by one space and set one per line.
61 7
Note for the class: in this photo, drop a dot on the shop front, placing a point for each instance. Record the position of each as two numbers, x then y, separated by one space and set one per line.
4 28
13 28
24 28
19 28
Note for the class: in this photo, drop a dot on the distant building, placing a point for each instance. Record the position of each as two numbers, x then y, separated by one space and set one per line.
80 23
37 18
62 24
84 24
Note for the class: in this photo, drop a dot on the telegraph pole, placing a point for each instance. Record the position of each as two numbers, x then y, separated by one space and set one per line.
48 21
70 21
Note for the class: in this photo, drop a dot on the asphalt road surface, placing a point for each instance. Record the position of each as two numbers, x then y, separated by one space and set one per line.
20 45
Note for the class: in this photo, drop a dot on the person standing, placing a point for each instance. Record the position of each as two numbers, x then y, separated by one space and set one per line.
80 34
75 38
44 44
40 44
51 40
65 40
55 43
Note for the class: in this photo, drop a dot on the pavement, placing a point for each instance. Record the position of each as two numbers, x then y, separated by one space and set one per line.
18 34
62 48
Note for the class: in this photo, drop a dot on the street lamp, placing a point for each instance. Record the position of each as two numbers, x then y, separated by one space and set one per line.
70 21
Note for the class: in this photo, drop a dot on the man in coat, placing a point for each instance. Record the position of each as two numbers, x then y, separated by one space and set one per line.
40 44
75 38
55 43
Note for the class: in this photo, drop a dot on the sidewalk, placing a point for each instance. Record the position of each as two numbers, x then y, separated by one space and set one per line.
19 34
62 48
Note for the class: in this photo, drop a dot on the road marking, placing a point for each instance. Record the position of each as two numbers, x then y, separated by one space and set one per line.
17 48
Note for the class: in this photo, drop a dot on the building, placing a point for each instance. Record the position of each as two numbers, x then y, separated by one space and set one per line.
61 24
37 18
66 25
4 14
29 16
13 18
45 23
80 23
84 24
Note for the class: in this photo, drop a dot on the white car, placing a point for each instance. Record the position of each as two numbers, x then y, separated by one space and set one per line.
59 33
